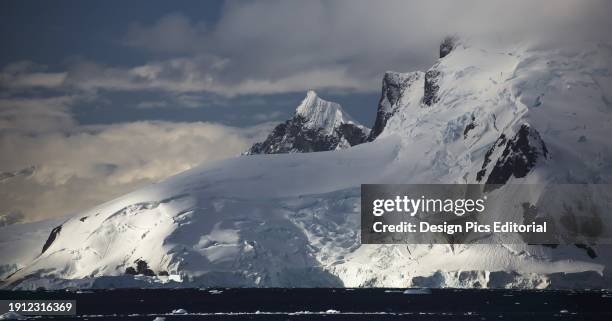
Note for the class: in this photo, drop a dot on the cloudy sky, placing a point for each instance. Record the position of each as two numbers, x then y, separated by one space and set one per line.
99 98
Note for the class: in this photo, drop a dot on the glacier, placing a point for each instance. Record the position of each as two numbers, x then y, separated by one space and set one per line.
292 220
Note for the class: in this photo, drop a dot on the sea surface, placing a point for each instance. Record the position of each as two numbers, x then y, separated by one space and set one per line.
328 304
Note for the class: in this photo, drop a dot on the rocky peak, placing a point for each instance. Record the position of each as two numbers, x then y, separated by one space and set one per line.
447 45
433 75
323 114
318 125
394 86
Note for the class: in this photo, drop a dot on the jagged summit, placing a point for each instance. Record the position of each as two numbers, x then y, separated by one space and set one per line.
397 91
320 113
318 125
448 44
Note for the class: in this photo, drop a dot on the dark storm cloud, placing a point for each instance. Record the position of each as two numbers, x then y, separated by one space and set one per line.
273 46
269 47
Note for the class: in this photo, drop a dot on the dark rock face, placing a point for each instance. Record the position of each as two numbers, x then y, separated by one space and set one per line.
448 44
432 76
351 133
498 143
391 91
293 137
393 86
130 271
589 250
469 127
430 96
142 268
519 157
54 233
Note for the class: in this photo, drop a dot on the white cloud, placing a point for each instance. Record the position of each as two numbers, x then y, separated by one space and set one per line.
25 74
10 218
302 81
200 75
35 114
78 166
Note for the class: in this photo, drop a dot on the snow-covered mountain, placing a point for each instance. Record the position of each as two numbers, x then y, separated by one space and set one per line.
509 114
318 125
21 243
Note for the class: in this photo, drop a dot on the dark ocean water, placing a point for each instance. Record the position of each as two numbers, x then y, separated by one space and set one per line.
329 304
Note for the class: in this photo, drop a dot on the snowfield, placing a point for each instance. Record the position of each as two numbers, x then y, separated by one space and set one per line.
292 220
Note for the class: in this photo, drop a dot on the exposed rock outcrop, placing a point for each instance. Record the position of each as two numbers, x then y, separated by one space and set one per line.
318 125
394 87
518 158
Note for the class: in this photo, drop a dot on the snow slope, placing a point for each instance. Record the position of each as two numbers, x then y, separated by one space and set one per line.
293 219
21 243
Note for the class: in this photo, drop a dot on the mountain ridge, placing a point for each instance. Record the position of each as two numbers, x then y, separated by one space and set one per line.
293 220
317 125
